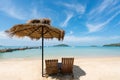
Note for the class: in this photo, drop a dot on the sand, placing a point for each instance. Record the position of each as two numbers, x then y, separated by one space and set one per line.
84 69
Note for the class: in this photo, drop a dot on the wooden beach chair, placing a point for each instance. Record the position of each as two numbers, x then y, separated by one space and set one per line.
67 66
51 67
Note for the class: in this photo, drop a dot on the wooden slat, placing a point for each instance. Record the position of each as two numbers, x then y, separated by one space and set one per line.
51 66
67 65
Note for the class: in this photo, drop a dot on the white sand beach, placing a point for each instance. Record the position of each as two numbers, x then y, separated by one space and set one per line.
84 69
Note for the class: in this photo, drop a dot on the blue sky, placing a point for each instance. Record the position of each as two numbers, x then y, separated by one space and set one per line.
85 22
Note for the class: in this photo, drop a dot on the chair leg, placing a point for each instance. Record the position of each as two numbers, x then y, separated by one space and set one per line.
46 75
72 75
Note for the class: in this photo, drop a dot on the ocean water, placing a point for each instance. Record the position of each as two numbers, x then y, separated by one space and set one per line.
58 52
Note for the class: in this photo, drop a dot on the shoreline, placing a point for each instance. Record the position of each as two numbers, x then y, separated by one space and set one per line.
39 58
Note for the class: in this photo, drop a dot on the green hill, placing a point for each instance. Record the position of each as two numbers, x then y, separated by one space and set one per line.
1 46
115 45
61 45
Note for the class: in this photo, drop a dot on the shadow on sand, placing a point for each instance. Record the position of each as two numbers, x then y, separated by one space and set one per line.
78 72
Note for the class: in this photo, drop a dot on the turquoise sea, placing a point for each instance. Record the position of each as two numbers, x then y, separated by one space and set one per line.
50 52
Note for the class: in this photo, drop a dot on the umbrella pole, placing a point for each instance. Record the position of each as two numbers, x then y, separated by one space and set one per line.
42 52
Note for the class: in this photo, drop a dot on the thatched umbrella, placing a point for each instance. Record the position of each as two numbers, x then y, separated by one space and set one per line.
36 29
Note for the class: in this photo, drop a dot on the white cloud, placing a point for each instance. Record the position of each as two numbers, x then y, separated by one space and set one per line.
80 9
117 25
72 40
69 16
112 10
3 35
98 10
15 41
99 17
96 27
79 39
104 10
114 37
10 9
72 10
35 13
86 40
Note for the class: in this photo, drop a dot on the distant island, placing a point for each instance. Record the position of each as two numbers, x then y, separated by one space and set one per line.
93 46
61 45
114 45
0 45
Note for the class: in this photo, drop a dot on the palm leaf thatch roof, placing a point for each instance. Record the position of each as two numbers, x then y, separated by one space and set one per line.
35 29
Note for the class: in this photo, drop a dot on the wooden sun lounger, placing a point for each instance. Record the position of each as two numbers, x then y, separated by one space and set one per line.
67 66
51 66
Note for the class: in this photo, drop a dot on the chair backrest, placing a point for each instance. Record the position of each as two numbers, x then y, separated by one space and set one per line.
67 65
51 66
